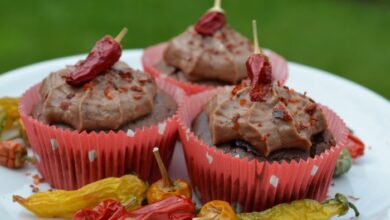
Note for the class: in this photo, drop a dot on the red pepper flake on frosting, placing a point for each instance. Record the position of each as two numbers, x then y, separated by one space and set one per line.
107 93
136 88
64 105
137 96
236 125
310 109
242 102
280 113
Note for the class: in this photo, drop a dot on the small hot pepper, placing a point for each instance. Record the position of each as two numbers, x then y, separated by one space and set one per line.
212 21
104 54
216 210
165 187
107 210
10 112
355 146
12 154
305 209
259 71
62 203
171 208
344 163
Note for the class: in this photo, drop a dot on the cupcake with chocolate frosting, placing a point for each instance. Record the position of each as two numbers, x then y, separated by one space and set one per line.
209 53
99 118
259 139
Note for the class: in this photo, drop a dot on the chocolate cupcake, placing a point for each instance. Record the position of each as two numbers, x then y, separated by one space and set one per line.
259 143
207 54
99 118
120 98
286 126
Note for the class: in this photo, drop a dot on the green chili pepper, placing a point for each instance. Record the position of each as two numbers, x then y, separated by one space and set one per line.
344 163
305 209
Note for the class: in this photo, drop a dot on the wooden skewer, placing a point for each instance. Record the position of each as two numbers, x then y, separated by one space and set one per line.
217 6
121 35
164 174
257 49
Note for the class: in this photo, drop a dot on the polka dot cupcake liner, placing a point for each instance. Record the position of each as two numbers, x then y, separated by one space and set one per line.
154 54
250 185
70 159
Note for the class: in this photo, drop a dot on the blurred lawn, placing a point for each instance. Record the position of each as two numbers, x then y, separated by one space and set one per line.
348 37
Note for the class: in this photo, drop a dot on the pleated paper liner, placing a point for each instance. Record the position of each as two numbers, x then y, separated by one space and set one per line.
253 185
70 159
154 54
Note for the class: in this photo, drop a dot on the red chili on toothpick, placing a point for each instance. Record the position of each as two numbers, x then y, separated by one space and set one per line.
212 21
259 71
104 54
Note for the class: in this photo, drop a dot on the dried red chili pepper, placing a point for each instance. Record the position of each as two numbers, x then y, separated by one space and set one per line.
12 154
259 71
211 21
107 210
355 146
174 207
104 54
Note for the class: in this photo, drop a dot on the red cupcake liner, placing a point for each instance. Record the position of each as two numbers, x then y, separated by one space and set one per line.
253 185
154 54
71 159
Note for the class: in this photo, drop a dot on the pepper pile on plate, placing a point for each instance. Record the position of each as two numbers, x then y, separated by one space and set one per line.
121 199
13 138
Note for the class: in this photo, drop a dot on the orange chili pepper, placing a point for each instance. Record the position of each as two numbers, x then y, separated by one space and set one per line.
216 210
165 187
12 154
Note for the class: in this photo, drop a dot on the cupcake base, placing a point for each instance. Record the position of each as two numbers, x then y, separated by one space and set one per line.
251 185
70 159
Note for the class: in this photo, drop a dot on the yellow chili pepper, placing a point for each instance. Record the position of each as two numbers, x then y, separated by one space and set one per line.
305 209
216 210
165 187
10 107
64 204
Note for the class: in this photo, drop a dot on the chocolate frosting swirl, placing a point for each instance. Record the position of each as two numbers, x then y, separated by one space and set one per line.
220 57
286 119
114 98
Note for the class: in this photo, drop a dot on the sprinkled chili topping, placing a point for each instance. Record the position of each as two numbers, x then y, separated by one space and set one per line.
310 109
107 93
236 125
137 96
242 102
136 88
64 105
280 113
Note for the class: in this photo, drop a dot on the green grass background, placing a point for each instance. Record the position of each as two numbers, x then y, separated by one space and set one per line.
350 38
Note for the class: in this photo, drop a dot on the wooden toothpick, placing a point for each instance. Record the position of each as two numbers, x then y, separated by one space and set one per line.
121 35
257 49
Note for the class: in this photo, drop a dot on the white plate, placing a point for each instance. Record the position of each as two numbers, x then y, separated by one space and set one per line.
364 111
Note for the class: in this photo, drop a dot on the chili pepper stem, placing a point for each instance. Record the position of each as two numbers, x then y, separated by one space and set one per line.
29 159
354 208
208 217
257 49
130 202
121 35
217 6
164 174
18 199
